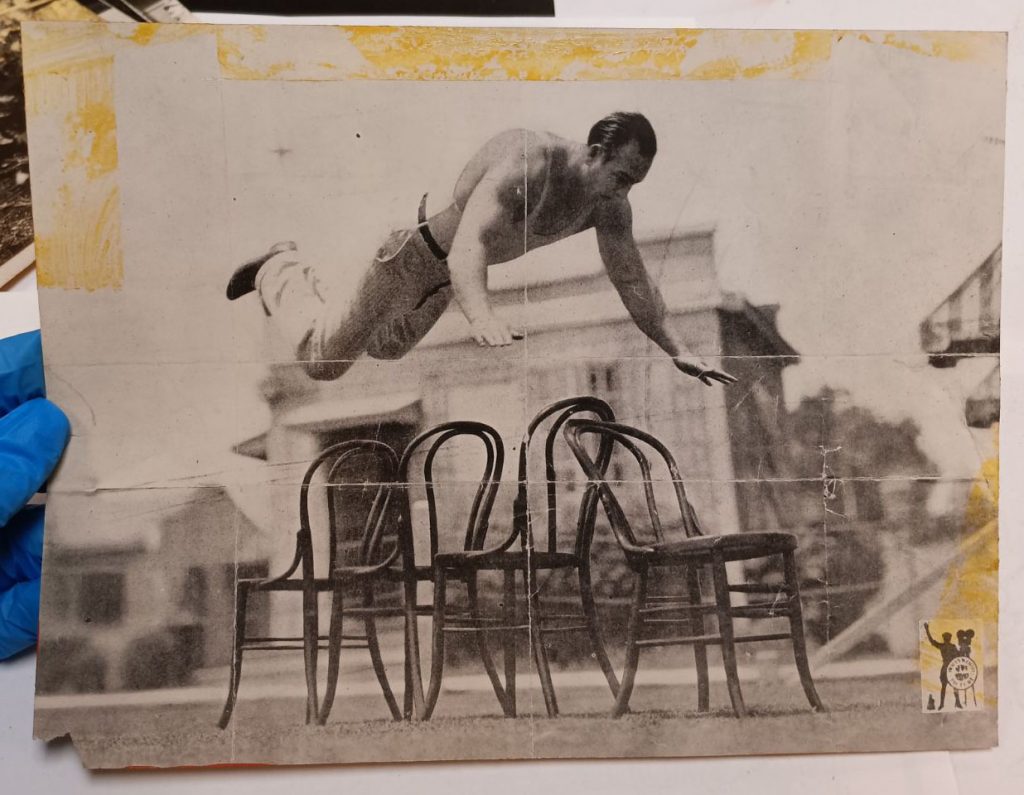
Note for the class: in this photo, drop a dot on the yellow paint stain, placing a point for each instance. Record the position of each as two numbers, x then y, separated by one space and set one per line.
93 129
971 587
960 46
509 54
86 252
144 33
719 69
482 54
236 64
78 226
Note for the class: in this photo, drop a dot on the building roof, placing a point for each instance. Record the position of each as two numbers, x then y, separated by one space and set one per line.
335 413
968 320
982 409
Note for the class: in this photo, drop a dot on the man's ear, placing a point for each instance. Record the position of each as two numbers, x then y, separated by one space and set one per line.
596 153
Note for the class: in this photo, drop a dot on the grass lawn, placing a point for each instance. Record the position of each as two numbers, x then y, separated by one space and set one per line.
880 714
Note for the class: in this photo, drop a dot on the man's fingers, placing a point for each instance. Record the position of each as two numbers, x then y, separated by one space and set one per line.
32 437
19 617
21 548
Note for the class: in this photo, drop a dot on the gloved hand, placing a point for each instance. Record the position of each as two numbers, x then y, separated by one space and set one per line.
33 433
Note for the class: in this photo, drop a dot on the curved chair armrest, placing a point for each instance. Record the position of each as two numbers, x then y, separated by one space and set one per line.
292 567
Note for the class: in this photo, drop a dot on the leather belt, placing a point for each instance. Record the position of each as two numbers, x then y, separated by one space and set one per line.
421 222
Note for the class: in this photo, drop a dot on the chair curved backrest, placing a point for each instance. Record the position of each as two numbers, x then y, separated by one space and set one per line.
433 440
562 411
627 436
333 459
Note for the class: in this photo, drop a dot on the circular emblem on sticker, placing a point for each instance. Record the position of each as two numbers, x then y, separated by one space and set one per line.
962 673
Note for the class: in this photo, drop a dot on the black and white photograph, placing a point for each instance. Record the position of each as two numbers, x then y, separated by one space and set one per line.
448 393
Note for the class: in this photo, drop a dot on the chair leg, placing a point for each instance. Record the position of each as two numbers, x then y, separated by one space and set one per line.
700 650
508 640
796 629
437 646
484 652
310 644
333 655
413 701
632 650
375 656
723 604
540 652
590 618
241 598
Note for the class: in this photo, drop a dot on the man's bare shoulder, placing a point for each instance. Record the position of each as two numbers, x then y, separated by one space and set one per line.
517 149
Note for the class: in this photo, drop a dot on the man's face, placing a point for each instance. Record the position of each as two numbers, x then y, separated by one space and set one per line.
946 637
612 176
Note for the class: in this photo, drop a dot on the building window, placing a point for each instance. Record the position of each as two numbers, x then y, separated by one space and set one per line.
603 381
101 598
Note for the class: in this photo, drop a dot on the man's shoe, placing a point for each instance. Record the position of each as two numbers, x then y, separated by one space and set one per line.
243 280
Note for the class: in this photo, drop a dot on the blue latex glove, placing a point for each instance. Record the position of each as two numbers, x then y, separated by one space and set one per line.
33 433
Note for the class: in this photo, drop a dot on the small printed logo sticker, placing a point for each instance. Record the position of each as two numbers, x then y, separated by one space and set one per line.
952 666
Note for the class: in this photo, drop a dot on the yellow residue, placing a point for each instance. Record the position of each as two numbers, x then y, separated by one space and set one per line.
550 54
77 207
144 33
959 46
93 130
972 583
719 69
233 57
86 253
511 54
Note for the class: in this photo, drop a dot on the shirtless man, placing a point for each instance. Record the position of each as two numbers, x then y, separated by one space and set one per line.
520 191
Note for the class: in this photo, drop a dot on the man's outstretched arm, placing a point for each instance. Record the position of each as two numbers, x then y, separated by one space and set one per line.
640 295
488 213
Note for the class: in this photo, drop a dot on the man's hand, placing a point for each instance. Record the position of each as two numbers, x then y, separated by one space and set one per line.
33 433
491 332
700 370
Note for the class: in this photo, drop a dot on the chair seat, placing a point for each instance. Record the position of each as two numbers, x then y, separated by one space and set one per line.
477 560
734 546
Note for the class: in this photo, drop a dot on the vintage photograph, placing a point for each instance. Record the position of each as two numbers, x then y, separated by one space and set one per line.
510 394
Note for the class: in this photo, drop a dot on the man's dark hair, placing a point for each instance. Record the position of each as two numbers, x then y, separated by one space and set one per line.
619 128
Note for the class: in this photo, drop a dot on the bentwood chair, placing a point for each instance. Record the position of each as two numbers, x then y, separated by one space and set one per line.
696 551
358 563
555 553
443 566
476 558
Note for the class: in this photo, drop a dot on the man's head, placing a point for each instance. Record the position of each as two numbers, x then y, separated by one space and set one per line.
620 149
947 637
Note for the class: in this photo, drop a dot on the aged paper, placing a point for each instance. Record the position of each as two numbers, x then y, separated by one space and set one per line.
777 253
